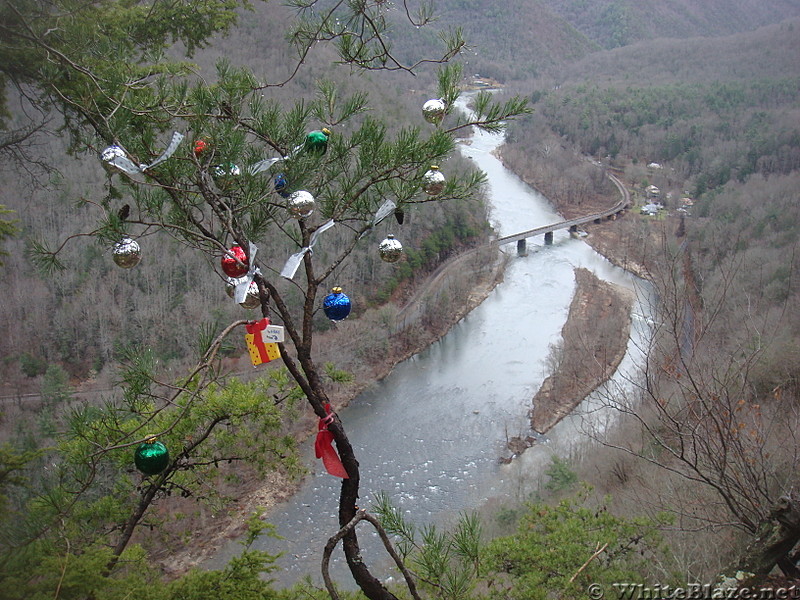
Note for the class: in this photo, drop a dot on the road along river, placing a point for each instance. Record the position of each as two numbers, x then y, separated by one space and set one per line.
430 434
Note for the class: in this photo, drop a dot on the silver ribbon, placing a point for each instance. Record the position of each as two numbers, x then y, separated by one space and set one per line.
123 163
291 266
240 291
176 140
384 211
263 165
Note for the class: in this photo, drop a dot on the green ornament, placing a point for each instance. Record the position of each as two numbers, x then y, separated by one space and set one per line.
317 141
151 456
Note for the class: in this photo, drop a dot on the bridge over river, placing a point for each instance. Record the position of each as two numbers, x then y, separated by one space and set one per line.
571 224
410 313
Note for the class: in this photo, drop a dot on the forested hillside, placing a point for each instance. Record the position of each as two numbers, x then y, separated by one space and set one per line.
613 23
96 305
712 123
709 129
700 99
546 36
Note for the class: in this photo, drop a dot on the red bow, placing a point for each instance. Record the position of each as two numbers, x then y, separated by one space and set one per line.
323 447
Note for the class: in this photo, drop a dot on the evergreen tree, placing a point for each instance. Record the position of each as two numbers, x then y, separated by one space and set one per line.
102 65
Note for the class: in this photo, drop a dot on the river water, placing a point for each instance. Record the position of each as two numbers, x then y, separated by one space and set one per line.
430 434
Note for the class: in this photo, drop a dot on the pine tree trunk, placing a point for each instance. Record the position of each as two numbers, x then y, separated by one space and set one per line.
369 584
315 393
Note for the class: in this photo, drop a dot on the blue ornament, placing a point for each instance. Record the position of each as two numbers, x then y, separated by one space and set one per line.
281 184
336 305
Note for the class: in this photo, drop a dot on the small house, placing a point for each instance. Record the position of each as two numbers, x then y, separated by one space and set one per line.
650 209
652 191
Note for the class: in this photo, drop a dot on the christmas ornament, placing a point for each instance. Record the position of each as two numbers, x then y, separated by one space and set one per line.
260 352
399 215
225 174
434 110
323 447
281 185
253 298
111 153
336 305
151 456
390 249
230 285
234 263
127 253
243 286
115 155
433 181
200 146
317 141
301 204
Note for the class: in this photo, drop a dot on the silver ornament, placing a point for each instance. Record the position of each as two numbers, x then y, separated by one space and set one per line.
390 249
111 153
114 156
301 204
127 253
252 300
230 285
434 110
224 175
433 181
226 170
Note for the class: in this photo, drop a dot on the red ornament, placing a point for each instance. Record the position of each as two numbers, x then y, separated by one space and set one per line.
200 146
229 263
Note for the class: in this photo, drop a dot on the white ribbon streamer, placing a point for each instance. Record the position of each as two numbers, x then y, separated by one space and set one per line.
263 165
176 140
240 291
123 163
291 266
384 211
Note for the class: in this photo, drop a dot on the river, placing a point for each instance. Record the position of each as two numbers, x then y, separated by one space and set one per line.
430 434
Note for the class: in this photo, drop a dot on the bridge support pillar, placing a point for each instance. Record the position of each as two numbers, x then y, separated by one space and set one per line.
548 238
522 249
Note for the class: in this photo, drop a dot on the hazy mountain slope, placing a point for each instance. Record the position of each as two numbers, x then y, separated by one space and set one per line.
769 52
512 42
523 40
613 23
722 117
